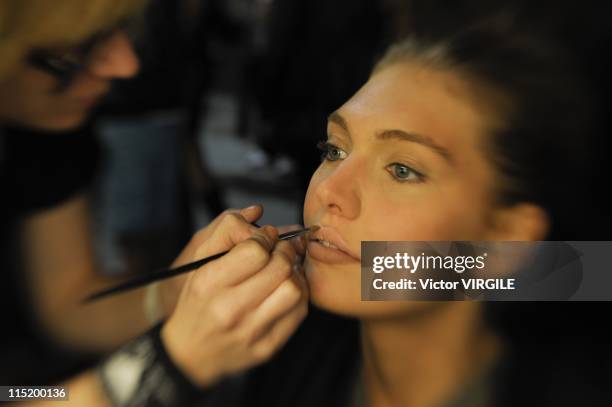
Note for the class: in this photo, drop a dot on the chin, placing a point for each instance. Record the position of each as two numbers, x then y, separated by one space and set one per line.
66 123
337 289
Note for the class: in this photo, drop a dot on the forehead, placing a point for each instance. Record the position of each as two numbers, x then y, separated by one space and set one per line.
419 99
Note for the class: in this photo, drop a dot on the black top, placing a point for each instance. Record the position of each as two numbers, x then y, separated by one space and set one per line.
550 365
37 171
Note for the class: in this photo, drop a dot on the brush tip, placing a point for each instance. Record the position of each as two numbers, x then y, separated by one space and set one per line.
313 228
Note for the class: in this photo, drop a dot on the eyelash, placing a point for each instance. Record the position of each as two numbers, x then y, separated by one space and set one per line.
326 148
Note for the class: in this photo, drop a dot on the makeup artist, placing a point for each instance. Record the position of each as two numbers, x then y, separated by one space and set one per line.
57 60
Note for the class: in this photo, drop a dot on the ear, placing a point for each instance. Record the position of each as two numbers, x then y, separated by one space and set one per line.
520 222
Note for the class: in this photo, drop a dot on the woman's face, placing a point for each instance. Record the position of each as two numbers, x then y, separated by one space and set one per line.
29 96
404 161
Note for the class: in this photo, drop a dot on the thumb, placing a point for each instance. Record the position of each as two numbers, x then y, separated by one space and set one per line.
252 213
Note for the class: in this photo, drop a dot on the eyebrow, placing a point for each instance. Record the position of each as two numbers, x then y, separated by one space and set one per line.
415 138
396 134
336 118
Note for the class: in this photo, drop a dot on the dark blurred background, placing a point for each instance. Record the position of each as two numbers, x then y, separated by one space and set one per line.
230 102
233 96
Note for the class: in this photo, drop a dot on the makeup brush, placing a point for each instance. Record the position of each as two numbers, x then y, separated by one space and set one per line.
139 281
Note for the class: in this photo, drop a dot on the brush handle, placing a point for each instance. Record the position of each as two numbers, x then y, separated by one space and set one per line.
139 281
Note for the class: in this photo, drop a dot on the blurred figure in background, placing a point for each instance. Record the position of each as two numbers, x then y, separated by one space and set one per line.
56 62
48 162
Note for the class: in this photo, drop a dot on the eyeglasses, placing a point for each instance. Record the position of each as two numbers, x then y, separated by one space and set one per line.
66 64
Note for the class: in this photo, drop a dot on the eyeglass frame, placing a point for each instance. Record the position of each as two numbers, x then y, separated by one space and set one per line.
65 66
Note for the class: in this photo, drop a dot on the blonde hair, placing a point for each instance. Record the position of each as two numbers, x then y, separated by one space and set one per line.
410 49
28 24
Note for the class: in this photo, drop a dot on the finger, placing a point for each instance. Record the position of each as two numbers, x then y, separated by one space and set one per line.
232 229
245 259
286 297
251 292
279 333
291 292
201 236
299 243
252 213
235 304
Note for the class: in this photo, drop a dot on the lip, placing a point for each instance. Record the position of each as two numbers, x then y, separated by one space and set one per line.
340 254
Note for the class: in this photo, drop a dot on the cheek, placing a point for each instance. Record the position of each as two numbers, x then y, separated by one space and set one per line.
27 93
36 84
311 204
402 222
428 214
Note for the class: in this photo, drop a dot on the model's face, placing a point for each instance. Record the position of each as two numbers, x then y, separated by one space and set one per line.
30 97
405 161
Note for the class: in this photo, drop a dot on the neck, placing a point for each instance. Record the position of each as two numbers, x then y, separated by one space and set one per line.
425 359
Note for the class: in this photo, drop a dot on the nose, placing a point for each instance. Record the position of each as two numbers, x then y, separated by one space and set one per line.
114 58
339 191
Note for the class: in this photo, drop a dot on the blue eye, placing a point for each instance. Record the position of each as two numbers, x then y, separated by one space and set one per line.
330 152
403 173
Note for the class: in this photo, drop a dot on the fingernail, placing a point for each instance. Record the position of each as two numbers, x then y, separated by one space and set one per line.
252 207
